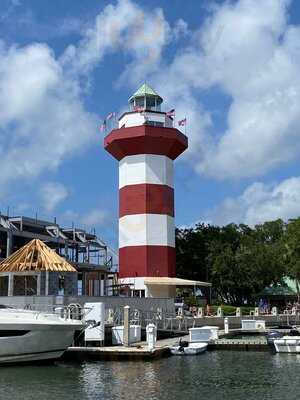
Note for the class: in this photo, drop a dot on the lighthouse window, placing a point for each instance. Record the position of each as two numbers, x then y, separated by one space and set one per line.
139 102
150 103
154 123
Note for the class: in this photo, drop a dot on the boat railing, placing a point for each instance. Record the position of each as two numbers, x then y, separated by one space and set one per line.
70 312
164 321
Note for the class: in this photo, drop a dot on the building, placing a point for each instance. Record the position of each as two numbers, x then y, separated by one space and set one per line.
89 255
146 144
37 270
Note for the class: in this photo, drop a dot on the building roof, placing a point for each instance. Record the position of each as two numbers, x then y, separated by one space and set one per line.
35 256
144 90
173 282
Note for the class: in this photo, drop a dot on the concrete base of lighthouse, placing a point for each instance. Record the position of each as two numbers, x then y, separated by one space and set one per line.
138 287
157 287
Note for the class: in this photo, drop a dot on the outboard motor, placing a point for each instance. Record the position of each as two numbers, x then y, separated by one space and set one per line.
294 332
183 344
271 336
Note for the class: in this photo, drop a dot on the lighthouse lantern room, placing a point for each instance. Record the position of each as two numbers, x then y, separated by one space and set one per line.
146 144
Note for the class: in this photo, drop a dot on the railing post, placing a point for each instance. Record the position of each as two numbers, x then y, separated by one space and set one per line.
126 332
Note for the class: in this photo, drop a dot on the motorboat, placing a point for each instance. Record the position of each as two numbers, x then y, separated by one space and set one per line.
288 344
27 335
188 348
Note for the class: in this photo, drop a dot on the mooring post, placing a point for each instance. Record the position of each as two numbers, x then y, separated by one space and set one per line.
274 311
226 325
126 332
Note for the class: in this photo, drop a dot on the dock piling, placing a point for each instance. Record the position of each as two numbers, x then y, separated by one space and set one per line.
126 337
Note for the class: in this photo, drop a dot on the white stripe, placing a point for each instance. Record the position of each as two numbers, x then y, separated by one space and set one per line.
145 168
146 229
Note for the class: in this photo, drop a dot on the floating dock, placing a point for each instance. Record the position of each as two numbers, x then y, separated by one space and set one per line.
240 345
115 353
140 351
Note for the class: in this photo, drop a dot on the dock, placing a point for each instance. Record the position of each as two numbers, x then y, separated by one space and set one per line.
140 351
115 353
240 345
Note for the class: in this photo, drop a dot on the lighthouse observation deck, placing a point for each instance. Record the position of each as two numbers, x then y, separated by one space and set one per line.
145 117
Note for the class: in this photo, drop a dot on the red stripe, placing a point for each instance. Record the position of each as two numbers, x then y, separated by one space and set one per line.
146 198
141 261
145 139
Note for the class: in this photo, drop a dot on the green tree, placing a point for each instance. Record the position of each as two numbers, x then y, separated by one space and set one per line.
291 240
240 261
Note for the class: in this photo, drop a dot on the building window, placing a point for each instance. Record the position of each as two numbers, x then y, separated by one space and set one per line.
61 285
25 285
3 285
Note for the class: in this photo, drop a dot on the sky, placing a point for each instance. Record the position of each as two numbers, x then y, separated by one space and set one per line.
231 68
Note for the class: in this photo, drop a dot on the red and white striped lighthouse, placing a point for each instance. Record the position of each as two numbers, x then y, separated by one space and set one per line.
146 144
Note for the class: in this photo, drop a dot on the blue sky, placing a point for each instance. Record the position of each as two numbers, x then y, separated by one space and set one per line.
231 67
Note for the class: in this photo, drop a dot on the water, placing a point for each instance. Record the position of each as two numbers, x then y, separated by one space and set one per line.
214 375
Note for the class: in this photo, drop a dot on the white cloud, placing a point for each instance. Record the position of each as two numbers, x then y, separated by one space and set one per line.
259 203
247 51
52 194
127 28
43 119
42 116
94 218
180 28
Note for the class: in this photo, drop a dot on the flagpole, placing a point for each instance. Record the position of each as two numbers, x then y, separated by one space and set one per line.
185 126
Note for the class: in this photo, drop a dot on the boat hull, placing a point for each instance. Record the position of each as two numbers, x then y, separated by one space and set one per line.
35 340
287 344
192 350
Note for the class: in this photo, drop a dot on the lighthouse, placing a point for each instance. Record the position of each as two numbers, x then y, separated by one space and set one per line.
146 144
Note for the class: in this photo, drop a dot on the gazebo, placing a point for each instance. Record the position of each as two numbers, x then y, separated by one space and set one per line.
35 269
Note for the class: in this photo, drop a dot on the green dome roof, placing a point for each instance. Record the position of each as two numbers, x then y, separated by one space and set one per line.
145 90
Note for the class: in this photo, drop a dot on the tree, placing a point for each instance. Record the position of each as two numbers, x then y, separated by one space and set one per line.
291 240
238 260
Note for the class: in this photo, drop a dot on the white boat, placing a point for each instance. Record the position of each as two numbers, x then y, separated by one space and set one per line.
287 344
191 349
27 336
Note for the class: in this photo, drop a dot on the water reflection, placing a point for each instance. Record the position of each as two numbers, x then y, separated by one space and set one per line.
120 380
211 376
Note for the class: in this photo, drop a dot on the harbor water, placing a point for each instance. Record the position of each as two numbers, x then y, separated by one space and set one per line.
223 375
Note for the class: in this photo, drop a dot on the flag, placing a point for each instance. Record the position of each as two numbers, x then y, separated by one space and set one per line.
171 113
182 122
110 116
103 126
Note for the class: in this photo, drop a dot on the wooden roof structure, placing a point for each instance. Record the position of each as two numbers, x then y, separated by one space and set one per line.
35 256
